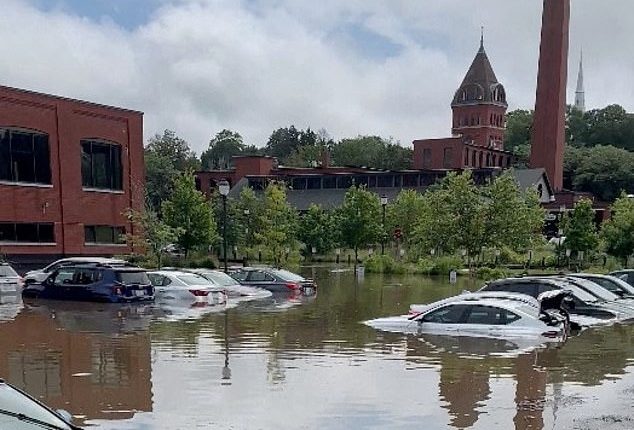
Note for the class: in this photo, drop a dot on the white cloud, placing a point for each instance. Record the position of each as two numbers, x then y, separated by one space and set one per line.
198 66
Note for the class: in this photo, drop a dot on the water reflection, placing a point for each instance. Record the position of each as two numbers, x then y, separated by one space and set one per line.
294 362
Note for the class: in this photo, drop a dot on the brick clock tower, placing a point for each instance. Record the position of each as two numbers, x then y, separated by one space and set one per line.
479 105
479 120
548 135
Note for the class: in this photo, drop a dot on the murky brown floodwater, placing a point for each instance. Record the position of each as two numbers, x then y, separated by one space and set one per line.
280 364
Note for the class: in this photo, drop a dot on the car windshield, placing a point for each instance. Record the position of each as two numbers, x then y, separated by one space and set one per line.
286 275
596 290
193 279
7 272
130 278
581 294
13 401
221 279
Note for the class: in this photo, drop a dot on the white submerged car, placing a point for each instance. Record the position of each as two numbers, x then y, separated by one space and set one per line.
484 315
232 287
185 289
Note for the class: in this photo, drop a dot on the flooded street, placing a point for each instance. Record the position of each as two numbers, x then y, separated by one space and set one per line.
285 363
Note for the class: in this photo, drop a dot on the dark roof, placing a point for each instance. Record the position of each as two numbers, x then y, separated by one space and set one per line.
527 178
479 82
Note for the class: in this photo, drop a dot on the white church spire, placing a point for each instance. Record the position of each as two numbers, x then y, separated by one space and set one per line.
580 96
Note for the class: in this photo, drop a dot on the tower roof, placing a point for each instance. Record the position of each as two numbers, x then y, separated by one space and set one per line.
480 83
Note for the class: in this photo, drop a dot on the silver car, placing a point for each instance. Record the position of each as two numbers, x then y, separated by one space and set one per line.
10 282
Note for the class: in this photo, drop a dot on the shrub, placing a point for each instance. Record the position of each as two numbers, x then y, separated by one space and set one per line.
384 264
487 274
439 266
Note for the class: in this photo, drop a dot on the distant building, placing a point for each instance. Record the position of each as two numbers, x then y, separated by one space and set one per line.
68 171
479 120
580 93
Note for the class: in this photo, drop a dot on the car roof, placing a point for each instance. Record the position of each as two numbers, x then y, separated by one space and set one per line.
171 272
496 303
92 259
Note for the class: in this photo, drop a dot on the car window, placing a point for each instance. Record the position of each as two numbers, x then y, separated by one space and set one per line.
451 314
287 276
240 276
63 277
86 276
515 287
155 279
14 401
220 278
131 278
193 279
491 315
607 284
258 276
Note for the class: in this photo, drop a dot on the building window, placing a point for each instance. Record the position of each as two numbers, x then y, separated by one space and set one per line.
313 183
466 157
329 182
298 183
104 234
24 157
427 158
480 159
447 159
101 165
385 181
344 182
25 232
410 180
372 182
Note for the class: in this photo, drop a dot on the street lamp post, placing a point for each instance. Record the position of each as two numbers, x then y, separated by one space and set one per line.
247 212
223 188
383 204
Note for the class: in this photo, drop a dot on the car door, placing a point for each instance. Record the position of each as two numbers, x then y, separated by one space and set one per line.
259 278
59 284
488 320
446 319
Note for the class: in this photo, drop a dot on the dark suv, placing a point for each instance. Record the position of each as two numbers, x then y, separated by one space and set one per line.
275 280
95 283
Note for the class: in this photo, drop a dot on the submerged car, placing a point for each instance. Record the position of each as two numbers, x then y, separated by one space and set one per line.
10 282
482 315
626 275
41 274
186 289
233 288
20 411
274 280
614 284
584 308
96 283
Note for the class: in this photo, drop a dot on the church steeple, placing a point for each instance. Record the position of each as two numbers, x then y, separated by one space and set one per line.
580 96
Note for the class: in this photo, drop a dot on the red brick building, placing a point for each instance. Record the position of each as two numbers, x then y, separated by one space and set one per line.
479 110
68 171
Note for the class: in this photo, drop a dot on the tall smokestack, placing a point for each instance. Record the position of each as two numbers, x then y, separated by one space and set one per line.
549 124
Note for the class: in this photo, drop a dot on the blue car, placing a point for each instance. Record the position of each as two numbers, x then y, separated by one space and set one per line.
94 283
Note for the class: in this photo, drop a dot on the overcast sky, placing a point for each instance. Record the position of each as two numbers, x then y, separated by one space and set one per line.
386 67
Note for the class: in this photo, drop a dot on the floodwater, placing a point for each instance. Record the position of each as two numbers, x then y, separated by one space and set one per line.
283 363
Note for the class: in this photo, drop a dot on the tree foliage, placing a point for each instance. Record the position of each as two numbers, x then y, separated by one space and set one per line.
189 211
359 219
155 235
224 145
403 213
458 215
618 232
318 229
277 223
174 148
371 151
580 229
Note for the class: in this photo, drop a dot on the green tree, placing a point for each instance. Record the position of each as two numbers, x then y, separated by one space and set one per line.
247 219
404 212
174 148
580 229
189 211
371 151
277 222
160 175
518 129
604 171
618 232
155 234
359 219
224 145
317 229
285 141
513 218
